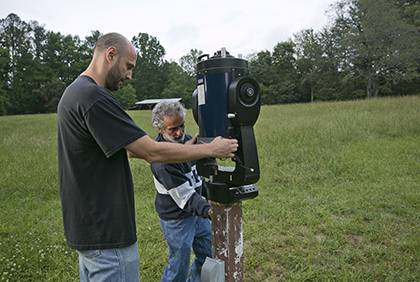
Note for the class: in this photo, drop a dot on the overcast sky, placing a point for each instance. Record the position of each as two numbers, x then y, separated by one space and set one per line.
243 27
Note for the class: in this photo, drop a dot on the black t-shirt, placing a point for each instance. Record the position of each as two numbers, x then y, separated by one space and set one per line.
96 186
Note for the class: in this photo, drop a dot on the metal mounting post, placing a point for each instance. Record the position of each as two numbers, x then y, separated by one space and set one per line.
227 237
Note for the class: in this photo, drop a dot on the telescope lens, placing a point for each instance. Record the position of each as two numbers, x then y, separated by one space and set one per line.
248 96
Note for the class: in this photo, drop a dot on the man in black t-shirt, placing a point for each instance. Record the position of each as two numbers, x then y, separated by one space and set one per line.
183 212
96 188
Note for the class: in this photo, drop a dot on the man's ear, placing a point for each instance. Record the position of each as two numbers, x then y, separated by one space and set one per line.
111 53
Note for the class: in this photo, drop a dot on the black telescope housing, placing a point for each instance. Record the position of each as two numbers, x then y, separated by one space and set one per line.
226 103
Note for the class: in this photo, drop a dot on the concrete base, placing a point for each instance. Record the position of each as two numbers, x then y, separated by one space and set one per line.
213 270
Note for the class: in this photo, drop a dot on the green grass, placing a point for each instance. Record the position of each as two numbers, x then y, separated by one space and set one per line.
339 196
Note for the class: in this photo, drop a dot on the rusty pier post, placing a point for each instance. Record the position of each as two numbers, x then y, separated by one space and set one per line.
227 237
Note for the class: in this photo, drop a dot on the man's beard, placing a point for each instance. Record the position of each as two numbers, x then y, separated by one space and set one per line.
113 79
175 140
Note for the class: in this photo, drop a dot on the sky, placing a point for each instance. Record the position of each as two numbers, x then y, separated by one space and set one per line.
242 27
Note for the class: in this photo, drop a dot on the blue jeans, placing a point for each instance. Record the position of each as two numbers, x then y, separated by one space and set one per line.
182 235
120 264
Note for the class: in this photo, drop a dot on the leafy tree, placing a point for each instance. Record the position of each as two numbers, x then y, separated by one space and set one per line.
262 69
150 75
64 64
324 68
284 64
180 84
126 95
189 62
14 34
39 65
90 41
383 47
334 65
410 10
3 80
309 53
370 48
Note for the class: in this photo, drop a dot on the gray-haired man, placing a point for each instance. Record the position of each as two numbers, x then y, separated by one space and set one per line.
182 210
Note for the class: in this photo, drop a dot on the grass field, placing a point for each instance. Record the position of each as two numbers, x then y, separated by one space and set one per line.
339 196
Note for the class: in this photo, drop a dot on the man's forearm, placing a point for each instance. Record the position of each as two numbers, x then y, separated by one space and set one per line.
175 153
197 205
152 151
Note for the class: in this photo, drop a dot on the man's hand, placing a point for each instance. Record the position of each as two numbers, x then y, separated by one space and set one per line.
223 147
210 213
192 140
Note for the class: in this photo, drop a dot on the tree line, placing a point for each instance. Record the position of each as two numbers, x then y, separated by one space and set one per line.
370 48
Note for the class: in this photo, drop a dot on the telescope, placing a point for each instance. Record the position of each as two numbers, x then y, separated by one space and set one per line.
226 102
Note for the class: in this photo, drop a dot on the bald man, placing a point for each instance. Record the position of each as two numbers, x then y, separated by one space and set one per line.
96 188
